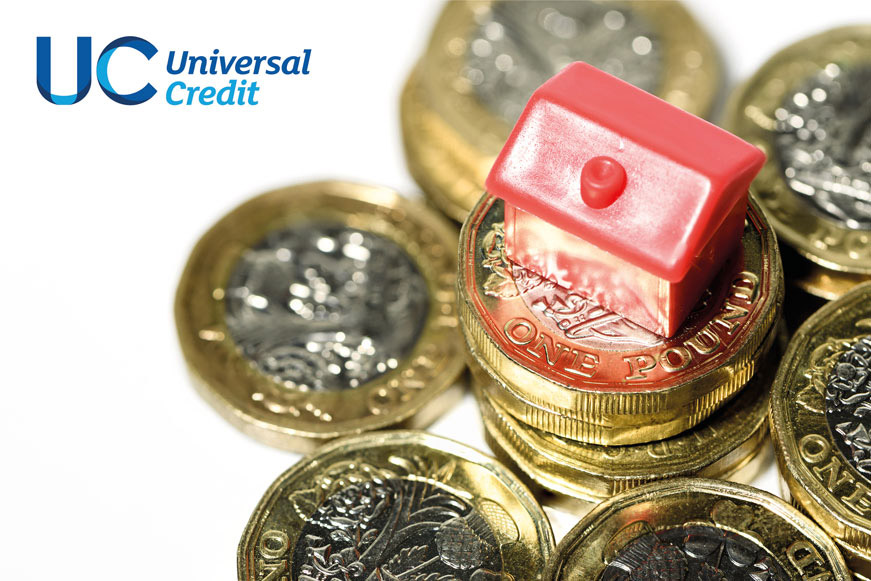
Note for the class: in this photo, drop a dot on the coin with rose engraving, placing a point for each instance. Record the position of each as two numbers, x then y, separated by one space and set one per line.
694 528
563 364
820 421
720 447
485 59
321 310
807 108
402 505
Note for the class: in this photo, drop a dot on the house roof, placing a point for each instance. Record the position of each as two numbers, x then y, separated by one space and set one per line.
667 181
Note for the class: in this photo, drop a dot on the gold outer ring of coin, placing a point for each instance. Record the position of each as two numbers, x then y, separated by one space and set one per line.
682 419
411 395
451 139
718 448
750 115
807 452
800 547
599 404
515 518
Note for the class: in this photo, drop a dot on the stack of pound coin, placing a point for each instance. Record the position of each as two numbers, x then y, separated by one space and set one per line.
696 529
485 59
322 310
820 422
401 506
807 109
727 445
560 363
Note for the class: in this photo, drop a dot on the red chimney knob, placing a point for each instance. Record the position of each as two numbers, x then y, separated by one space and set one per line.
603 179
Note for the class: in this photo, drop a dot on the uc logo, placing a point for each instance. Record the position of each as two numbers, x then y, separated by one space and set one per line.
83 70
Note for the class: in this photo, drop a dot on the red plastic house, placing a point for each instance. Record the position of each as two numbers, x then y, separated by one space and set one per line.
622 197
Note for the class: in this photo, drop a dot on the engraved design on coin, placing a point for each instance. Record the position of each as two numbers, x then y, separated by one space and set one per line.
823 141
322 306
516 46
692 552
576 317
848 403
396 529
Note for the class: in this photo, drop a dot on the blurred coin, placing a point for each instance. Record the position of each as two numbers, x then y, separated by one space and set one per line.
807 108
693 528
321 310
567 366
396 506
819 418
485 59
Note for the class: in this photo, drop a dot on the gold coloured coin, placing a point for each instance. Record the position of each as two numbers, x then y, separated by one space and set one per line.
806 109
321 310
623 435
857 562
485 59
566 366
828 284
816 280
717 448
396 506
819 421
694 528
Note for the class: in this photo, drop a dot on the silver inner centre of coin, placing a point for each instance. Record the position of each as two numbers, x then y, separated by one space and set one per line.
516 46
321 306
396 529
823 142
693 551
848 404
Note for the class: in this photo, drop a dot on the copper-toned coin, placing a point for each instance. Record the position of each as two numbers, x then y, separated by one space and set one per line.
567 366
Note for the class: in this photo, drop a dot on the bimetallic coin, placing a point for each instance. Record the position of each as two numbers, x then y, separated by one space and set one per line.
819 411
396 506
693 528
717 448
322 310
485 59
567 366
807 108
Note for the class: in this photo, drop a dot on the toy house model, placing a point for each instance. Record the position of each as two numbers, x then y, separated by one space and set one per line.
621 197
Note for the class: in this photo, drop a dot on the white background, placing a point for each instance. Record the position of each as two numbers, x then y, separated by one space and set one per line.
111 466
